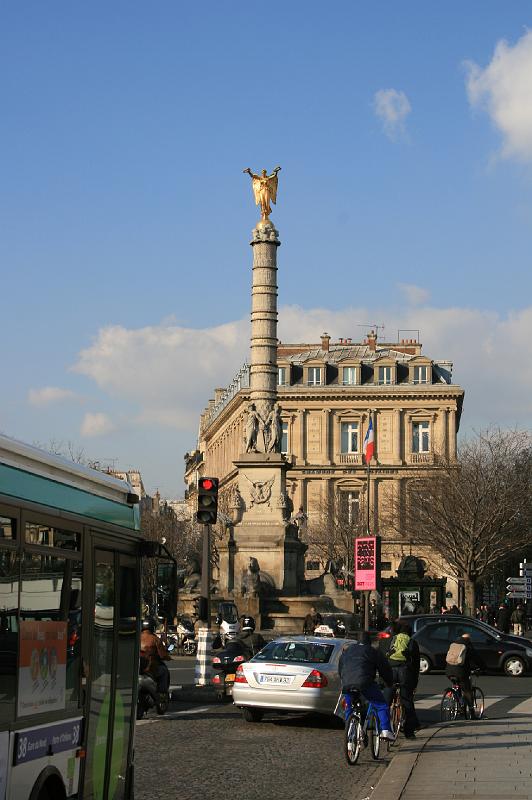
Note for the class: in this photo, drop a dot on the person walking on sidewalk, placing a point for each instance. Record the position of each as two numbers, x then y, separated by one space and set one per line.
403 657
518 620
460 660
502 620
358 667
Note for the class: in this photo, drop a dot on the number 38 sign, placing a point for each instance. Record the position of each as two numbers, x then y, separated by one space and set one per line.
367 563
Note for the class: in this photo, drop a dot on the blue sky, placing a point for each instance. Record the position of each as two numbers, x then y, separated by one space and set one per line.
404 132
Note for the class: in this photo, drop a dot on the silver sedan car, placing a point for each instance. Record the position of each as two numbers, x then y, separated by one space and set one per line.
294 673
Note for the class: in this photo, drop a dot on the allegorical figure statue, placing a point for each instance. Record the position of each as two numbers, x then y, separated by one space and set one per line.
252 428
265 190
274 425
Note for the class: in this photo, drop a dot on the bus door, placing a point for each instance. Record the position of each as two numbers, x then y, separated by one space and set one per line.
112 674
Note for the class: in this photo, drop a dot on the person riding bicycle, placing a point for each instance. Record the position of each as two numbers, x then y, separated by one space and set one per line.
461 659
357 667
403 657
252 641
152 649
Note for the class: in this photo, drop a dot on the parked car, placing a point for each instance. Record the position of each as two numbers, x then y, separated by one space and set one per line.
293 673
500 652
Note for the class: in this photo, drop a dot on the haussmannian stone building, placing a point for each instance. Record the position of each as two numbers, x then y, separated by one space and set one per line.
327 392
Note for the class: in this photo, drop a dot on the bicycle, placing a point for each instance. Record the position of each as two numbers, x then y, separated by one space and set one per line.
360 730
453 702
397 714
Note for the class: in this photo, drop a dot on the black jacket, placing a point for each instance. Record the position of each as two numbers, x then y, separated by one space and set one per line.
359 664
503 619
251 641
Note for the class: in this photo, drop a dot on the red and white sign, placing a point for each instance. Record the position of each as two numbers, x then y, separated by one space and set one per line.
366 564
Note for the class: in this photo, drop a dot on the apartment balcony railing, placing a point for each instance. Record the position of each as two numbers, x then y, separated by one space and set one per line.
349 458
420 458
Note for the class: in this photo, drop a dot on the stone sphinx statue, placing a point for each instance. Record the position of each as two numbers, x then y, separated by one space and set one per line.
193 577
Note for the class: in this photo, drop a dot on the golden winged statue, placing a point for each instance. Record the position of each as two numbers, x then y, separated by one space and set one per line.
265 190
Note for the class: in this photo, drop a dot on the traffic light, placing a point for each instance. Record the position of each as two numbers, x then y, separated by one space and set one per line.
207 509
200 608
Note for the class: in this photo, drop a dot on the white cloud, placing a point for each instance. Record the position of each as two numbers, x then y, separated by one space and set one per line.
97 424
168 373
392 107
50 394
414 295
504 90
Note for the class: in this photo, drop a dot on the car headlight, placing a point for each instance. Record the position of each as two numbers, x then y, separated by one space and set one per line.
528 651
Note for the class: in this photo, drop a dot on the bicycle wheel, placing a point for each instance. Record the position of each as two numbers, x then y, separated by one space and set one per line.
448 707
374 739
353 738
396 718
478 702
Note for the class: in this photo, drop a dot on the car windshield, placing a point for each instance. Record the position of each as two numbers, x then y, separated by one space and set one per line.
303 652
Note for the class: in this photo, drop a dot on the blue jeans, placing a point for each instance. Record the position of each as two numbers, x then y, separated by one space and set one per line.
373 695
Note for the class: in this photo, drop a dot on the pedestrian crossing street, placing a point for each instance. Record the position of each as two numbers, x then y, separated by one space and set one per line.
500 704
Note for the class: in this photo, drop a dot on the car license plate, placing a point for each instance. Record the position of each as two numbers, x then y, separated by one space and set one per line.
276 679
230 678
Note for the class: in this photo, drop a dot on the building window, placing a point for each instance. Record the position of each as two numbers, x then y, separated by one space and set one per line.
284 439
420 437
349 376
314 376
350 507
281 376
313 565
421 374
349 437
386 566
385 375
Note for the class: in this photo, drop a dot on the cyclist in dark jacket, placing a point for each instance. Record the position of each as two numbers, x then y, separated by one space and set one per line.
462 672
403 657
252 641
358 667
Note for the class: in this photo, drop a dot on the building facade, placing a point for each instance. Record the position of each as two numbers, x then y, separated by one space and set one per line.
328 392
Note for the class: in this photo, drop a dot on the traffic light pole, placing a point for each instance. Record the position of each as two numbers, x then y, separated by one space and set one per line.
206 571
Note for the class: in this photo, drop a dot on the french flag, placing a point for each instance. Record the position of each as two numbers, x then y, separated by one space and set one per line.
369 442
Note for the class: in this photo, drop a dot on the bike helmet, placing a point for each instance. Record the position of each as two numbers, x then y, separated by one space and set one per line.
149 624
248 624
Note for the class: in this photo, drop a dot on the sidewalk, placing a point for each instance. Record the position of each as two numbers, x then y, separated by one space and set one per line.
480 760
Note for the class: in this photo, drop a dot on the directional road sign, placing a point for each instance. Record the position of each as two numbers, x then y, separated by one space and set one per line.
519 581
519 595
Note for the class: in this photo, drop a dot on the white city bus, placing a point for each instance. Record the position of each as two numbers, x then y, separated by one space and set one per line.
70 551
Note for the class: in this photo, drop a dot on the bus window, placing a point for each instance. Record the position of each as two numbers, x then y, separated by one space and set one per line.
7 529
50 607
9 583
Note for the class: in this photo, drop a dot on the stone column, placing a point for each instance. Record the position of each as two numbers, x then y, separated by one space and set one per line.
452 433
263 367
302 455
398 456
326 436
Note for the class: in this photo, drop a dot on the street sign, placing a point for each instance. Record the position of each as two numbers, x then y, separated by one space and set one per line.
526 572
517 595
526 581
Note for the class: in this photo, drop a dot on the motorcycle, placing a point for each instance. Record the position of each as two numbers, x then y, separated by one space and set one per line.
227 619
185 637
225 664
148 696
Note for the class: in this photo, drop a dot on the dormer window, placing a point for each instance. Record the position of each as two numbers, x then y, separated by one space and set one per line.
349 376
421 374
282 373
384 376
314 376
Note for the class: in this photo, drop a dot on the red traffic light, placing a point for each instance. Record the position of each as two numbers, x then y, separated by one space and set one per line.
206 483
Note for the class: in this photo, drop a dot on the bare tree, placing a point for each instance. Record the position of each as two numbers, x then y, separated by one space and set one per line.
331 531
473 511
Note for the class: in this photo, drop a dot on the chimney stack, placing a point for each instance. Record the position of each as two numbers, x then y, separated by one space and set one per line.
325 342
372 341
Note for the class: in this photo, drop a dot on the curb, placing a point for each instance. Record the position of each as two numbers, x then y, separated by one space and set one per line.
396 777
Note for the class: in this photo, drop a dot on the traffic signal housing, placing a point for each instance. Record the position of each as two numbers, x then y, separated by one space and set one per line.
201 608
207 508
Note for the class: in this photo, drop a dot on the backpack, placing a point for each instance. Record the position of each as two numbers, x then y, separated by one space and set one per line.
398 647
456 654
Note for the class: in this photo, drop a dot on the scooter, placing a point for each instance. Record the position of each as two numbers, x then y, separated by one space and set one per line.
225 664
227 620
147 696
186 637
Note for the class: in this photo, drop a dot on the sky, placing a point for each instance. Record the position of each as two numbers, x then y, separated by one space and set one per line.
404 133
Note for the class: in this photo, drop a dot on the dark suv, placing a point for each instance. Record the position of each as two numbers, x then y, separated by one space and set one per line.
499 651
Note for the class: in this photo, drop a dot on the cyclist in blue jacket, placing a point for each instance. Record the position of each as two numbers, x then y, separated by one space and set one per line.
358 667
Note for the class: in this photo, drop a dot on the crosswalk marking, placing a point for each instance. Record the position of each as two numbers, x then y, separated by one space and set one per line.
433 701
523 708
